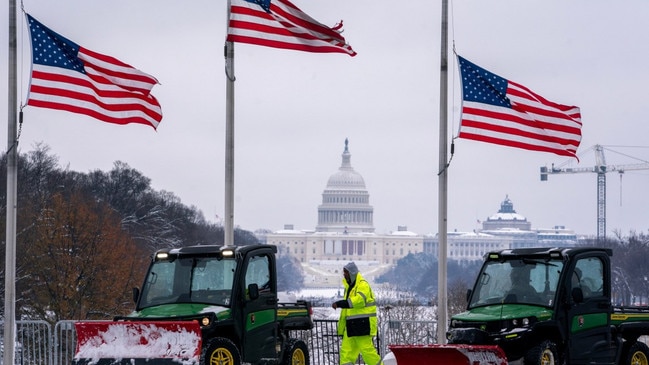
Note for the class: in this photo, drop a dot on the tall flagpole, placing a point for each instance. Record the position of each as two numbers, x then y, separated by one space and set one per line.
228 228
12 183
442 296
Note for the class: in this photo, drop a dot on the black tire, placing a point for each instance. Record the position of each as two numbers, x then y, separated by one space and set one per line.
638 354
296 353
220 351
543 354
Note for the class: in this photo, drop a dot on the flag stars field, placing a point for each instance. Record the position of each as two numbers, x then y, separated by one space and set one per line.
50 53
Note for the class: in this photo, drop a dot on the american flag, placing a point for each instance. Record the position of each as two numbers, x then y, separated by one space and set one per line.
280 24
499 111
66 76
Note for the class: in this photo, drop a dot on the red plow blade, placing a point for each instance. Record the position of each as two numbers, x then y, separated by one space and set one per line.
448 355
150 343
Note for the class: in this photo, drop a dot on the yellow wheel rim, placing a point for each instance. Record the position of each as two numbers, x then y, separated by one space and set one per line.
221 356
639 358
547 358
299 358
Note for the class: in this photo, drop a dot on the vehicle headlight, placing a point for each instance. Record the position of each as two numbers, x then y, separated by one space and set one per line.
523 322
205 321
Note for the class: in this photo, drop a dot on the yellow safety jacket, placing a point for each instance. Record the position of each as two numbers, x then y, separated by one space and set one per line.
360 300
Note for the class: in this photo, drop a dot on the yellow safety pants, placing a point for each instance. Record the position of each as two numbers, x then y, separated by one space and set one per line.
352 346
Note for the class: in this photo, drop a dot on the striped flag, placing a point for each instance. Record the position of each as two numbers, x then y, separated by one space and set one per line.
499 111
280 24
66 76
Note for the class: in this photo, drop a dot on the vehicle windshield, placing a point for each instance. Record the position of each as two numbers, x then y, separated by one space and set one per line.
205 280
526 281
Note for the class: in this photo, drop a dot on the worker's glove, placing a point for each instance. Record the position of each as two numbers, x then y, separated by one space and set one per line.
340 304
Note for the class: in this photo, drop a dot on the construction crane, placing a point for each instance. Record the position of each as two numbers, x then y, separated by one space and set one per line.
600 168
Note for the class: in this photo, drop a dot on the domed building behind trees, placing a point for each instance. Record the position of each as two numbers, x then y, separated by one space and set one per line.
345 232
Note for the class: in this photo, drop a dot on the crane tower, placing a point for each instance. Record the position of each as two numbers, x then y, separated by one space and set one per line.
600 168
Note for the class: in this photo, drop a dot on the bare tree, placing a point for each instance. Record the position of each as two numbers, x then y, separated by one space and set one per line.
82 262
457 296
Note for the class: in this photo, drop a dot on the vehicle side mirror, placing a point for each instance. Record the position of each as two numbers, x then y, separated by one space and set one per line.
136 294
468 294
577 295
253 291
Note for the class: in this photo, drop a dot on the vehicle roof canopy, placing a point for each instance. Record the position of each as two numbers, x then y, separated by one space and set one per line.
213 249
544 253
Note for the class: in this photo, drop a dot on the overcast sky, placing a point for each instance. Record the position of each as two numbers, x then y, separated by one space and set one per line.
293 110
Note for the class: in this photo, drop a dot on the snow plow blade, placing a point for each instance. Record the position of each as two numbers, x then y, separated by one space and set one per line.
448 355
134 343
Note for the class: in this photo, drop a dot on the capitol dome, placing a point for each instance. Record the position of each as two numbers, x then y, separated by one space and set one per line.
345 204
346 178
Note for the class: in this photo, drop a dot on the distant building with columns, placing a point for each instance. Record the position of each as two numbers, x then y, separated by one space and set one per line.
504 230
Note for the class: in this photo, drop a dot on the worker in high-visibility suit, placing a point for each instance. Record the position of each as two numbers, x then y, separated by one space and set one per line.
358 322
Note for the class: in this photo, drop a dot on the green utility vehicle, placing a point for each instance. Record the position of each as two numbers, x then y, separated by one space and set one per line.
208 305
551 306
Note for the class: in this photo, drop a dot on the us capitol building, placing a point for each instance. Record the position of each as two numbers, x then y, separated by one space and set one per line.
345 232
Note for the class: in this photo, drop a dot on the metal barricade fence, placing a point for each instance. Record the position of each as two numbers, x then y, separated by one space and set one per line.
65 342
324 343
33 343
322 340
406 332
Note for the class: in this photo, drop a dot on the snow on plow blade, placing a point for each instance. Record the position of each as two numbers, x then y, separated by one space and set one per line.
448 355
134 343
